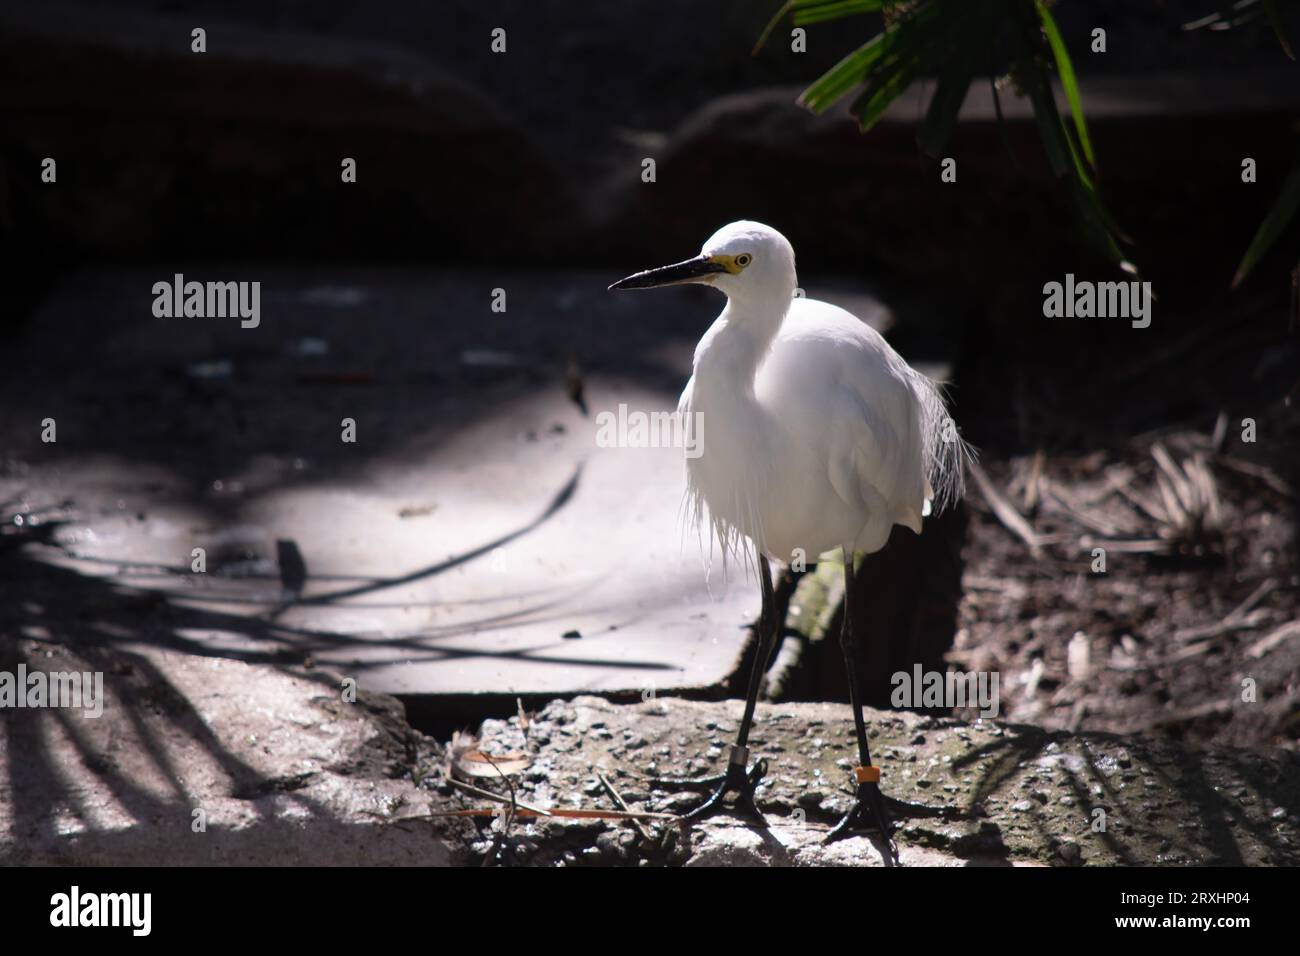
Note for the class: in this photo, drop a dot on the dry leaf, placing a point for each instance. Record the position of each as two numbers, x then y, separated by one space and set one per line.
475 763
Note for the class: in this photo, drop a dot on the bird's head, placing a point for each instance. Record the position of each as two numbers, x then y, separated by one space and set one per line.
746 260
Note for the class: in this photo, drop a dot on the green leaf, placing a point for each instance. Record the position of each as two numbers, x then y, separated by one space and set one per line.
916 53
1100 225
1049 121
1274 223
887 49
1069 83
875 99
945 104
804 12
1275 19
832 85
819 11
1066 161
771 25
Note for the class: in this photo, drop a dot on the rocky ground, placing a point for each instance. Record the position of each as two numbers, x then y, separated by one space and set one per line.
982 793
202 761
283 769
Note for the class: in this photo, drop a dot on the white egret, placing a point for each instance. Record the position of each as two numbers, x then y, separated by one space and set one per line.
815 434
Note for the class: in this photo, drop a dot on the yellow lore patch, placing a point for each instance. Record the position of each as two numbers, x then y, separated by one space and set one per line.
730 263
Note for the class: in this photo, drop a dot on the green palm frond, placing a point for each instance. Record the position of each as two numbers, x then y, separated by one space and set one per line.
952 40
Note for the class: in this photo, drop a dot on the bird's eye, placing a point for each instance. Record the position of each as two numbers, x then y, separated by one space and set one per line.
744 259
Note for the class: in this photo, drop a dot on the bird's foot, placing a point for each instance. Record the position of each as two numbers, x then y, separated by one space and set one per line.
903 810
736 780
868 813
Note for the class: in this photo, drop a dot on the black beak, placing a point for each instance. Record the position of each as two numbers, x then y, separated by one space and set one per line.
688 271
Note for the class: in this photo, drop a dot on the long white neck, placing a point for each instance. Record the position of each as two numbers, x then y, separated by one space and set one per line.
738 340
733 421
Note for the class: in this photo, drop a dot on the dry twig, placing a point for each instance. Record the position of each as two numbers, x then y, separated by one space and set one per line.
1011 519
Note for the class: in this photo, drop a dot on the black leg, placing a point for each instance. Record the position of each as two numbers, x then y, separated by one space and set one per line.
737 779
868 807
767 631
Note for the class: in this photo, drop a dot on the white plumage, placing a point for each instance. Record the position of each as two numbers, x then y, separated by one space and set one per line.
815 433
812 434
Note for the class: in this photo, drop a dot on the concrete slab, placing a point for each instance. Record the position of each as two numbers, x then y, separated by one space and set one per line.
523 564
475 539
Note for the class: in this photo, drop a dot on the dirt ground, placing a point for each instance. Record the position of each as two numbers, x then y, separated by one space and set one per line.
1150 461
1164 651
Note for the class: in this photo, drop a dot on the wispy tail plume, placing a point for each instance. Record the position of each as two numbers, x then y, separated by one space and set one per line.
947 454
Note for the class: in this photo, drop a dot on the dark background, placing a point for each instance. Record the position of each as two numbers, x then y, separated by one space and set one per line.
468 156
531 160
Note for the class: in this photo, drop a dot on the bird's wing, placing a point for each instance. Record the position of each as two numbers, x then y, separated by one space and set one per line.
874 449
874 463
